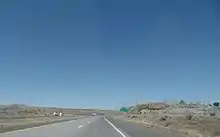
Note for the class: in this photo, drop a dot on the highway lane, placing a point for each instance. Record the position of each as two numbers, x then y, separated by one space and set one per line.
97 126
88 127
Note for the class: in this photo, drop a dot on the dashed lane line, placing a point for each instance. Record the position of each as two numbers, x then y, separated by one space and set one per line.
80 126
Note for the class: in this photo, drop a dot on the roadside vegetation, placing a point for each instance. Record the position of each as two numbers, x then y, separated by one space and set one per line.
190 119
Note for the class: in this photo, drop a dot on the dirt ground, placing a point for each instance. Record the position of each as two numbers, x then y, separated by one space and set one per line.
19 116
207 127
194 122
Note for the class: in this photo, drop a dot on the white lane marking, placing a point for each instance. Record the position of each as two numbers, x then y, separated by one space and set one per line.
115 127
80 126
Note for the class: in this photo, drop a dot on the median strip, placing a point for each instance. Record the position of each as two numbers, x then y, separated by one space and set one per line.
35 123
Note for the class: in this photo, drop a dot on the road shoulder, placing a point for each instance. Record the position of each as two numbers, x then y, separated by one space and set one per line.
135 129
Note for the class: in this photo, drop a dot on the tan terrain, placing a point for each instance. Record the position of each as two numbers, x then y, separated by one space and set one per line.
193 120
16 116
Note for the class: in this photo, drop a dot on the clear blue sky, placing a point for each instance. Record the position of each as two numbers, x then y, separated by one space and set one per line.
98 53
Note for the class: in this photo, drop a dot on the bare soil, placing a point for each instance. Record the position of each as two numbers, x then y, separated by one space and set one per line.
194 121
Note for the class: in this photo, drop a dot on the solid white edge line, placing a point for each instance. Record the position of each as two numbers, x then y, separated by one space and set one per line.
115 127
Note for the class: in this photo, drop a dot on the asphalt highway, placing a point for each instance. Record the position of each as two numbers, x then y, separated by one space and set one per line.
96 126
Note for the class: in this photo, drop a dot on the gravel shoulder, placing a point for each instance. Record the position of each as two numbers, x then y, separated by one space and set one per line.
137 129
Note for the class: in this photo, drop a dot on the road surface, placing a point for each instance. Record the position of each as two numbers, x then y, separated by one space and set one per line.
96 126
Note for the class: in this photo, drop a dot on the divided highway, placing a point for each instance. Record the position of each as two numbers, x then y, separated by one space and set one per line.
96 126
